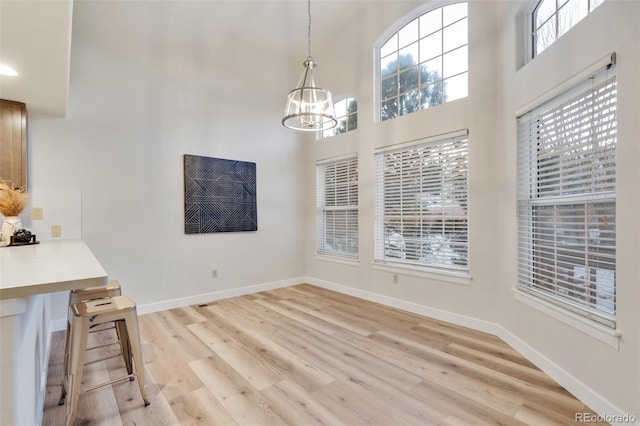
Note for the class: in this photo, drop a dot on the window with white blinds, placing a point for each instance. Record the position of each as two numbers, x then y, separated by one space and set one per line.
421 204
337 207
567 199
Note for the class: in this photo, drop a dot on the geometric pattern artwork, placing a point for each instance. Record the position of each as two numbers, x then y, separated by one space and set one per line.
219 195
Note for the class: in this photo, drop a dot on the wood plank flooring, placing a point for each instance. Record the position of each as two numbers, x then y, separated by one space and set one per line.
304 355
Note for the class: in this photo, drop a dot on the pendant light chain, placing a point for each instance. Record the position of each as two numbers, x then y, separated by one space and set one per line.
309 29
309 108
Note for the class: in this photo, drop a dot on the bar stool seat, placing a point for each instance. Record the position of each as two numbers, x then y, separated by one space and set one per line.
92 293
81 317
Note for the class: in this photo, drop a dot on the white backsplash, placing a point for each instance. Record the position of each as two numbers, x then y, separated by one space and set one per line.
60 207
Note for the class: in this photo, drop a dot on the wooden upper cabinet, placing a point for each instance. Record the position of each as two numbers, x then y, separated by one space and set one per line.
13 143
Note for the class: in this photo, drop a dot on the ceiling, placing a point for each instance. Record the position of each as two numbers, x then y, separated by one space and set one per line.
35 40
35 37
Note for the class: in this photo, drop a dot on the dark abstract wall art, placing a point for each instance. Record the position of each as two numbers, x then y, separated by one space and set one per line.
219 195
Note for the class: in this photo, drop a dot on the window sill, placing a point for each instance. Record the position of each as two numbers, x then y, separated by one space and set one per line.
604 334
336 259
423 272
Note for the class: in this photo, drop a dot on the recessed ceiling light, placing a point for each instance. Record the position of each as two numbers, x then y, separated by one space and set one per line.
5 70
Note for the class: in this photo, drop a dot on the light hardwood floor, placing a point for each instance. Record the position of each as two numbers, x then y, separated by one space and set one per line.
304 355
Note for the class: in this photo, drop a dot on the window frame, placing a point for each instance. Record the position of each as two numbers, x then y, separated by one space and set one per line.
394 29
532 28
351 228
528 198
380 241
346 98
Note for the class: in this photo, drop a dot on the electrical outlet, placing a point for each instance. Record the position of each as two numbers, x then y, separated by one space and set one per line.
214 273
36 213
56 231
395 278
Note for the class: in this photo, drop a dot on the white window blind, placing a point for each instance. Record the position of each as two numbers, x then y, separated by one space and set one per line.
567 199
421 204
337 207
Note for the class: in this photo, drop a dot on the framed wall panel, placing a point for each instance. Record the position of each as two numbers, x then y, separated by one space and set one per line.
219 195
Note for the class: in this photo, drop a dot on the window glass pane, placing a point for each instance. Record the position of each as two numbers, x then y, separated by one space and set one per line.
572 12
455 62
409 102
431 71
352 105
389 109
545 36
455 35
389 87
595 3
340 108
545 9
431 95
409 79
389 65
341 127
352 122
390 46
453 12
409 56
455 87
431 46
408 34
430 22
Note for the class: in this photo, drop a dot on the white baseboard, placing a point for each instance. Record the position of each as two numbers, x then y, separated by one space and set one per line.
216 295
597 402
60 324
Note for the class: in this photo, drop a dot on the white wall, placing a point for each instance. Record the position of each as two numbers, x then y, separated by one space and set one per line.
606 378
144 92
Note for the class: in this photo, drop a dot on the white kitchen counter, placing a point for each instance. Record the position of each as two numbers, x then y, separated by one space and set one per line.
48 267
27 275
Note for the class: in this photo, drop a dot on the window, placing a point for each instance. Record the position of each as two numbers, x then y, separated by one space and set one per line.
421 204
553 18
337 207
347 116
567 199
425 63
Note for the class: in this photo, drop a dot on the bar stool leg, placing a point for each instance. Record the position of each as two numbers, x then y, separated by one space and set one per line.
65 368
79 336
125 346
134 341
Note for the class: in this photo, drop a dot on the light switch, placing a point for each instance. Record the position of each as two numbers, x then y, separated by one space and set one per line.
36 213
56 231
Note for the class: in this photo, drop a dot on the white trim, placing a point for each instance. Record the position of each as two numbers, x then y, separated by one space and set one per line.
603 333
461 133
567 84
458 319
584 393
331 160
575 386
336 259
148 308
423 272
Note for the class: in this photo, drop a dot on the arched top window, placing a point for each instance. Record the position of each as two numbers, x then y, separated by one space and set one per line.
424 63
347 115
552 18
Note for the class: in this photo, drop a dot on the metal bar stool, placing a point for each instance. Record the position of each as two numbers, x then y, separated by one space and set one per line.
81 317
92 293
